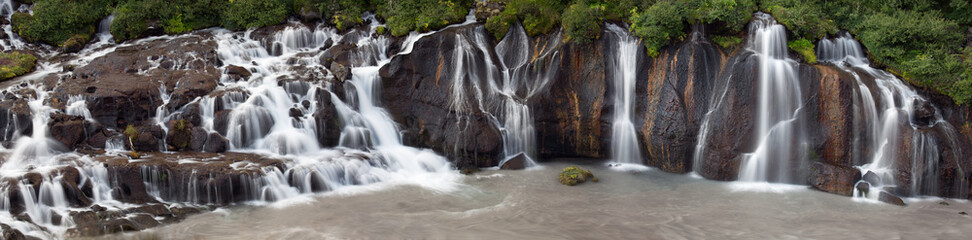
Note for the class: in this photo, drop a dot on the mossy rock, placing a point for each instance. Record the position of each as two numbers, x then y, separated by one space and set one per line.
131 133
180 135
74 44
14 64
574 175
380 30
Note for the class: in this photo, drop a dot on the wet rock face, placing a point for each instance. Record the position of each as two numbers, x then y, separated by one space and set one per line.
676 92
833 179
123 87
570 117
835 117
70 130
15 119
417 89
732 119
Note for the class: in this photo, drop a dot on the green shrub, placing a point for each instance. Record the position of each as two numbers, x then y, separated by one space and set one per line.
804 19
174 16
805 48
726 42
659 25
55 21
735 14
582 22
404 16
13 64
537 16
244 14
344 14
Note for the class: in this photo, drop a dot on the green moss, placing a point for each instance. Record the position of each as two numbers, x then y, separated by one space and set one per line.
181 137
573 175
132 18
805 48
380 30
659 25
726 42
13 64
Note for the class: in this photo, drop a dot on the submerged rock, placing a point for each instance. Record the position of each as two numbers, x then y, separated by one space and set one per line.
890 199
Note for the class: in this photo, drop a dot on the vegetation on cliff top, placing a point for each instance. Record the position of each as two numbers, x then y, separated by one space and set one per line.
919 40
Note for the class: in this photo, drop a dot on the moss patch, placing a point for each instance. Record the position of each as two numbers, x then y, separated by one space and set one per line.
13 64
574 175
805 48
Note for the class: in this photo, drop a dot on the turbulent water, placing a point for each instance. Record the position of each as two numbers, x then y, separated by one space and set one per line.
532 205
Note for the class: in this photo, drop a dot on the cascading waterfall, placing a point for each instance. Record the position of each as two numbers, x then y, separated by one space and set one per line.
13 41
624 141
520 82
779 103
882 106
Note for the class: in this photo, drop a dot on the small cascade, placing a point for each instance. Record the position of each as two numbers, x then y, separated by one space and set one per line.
12 41
886 109
624 140
779 103
37 149
521 81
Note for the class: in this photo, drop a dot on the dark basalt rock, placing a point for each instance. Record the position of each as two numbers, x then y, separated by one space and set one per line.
676 89
517 162
216 143
923 113
890 199
863 187
237 73
416 91
149 138
833 179
117 100
328 123
68 130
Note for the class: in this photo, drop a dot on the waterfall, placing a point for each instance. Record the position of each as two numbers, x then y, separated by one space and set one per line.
779 103
13 41
887 106
624 140
521 80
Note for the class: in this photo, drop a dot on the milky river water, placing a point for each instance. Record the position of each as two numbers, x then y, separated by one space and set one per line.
531 204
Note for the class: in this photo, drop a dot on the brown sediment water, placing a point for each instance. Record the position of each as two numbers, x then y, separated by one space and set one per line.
531 204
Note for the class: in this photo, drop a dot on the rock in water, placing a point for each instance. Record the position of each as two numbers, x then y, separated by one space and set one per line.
833 179
574 175
517 162
890 199
863 187
872 178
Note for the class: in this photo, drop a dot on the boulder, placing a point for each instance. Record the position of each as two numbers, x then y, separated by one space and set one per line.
68 130
923 113
148 139
890 199
340 72
517 162
863 187
216 143
833 179
575 175
179 135
199 138
872 178
237 73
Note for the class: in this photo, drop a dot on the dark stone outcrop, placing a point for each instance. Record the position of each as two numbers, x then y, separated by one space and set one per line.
675 92
517 162
833 179
417 91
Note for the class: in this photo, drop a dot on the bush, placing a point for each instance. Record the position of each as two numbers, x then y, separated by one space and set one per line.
13 64
805 48
537 16
726 42
804 19
582 23
344 14
735 14
404 16
55 21
174 17
245 14
659 25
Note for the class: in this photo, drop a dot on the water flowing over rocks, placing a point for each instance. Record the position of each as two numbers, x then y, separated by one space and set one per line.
222 118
